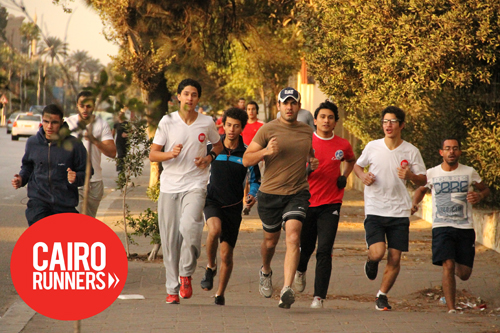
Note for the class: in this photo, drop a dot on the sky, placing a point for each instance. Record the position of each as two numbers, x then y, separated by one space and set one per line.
84 30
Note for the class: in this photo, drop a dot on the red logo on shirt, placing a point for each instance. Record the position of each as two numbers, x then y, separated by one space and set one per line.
404 163
201 137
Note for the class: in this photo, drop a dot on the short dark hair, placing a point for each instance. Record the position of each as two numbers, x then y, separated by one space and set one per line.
236 113
400 114
451 138
330 106
241 99
53 109
254 103
87 94
189 82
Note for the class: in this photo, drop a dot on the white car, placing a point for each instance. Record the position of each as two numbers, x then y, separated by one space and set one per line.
26 124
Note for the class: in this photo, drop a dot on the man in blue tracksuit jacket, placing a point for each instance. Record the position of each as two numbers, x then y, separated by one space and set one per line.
52 168
224 201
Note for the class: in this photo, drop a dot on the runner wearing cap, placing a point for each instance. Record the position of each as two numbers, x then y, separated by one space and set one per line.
304 116
392 162
285 144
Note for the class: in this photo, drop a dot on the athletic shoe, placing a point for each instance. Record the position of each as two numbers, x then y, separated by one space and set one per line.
452 311
317 303
382 303
300 281
186 290
207 283
172 299
266 284
371 269
287 298
220 300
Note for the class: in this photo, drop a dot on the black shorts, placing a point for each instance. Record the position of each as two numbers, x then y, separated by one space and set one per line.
453 243
396 229
275 209
230 219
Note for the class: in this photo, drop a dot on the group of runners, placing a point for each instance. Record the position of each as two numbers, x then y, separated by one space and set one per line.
300 192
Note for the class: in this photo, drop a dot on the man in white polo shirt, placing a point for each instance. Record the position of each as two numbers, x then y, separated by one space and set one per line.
392 162
180 143
102 143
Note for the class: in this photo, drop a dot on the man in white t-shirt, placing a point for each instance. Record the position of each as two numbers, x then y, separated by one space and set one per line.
453 235
100 141
392 162
180 143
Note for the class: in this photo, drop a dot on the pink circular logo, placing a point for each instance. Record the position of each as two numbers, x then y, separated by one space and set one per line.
201 137
69 266
404 163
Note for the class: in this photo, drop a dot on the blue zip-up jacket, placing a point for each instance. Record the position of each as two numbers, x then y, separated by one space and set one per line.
44 166
227 176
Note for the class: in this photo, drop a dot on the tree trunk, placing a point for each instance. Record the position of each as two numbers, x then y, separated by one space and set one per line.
263 99
159 93
124 206
154 252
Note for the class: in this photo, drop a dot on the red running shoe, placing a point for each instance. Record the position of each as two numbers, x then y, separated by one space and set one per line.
172 299
186 290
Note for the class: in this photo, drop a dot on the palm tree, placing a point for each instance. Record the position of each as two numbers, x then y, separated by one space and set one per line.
54 47
93 66
79 60
30 34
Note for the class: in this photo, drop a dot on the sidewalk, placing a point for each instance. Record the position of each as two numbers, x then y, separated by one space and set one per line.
349 306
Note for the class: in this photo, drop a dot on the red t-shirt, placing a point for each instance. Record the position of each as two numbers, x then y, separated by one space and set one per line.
220 129
323 181
250 131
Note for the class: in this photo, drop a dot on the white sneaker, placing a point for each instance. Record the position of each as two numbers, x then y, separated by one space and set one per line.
266 284
300 281
317 303
287 298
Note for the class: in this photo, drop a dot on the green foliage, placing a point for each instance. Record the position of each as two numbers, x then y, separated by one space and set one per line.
153 192
145 225
437 60
483 148
138 151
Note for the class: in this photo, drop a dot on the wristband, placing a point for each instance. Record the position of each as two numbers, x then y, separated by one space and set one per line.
213 154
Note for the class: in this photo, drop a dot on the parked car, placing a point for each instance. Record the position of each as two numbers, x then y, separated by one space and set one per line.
26 124
11 120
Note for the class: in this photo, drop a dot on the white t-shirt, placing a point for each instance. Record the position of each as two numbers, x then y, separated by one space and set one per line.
180 174
101 131
450 207
388 196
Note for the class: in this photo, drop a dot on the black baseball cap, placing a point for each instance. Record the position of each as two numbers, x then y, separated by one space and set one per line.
289 92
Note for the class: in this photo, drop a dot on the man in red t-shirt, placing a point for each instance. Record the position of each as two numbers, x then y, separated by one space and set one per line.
248 133
326 185
253 124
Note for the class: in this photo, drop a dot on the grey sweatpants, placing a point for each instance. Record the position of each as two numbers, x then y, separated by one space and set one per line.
96 192
180 220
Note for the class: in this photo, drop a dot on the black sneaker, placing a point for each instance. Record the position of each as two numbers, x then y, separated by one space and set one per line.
382 303
207 283
220 300
371 269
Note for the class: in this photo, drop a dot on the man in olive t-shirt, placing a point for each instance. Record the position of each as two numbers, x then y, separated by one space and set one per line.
286 146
